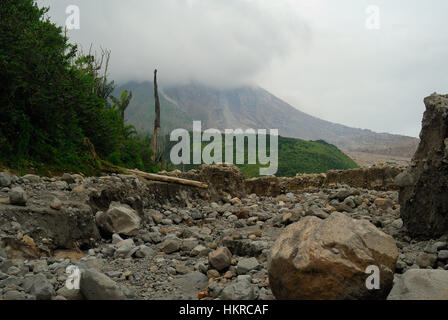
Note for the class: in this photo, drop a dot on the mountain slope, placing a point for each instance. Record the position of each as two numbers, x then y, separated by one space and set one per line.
140 112
254 107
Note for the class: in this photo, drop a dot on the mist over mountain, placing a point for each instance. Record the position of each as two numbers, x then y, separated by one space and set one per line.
252 107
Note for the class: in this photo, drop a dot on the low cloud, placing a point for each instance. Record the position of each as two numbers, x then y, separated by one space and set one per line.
317 55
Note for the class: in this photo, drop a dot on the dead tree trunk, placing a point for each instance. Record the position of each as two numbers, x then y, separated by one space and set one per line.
156 118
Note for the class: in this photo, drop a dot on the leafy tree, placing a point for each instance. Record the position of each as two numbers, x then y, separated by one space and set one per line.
52 97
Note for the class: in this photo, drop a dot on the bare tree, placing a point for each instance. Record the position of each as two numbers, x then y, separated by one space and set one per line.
156 118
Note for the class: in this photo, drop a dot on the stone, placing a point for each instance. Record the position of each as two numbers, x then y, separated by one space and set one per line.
56 204
240 289
421 284
443 255
341 194
247 264
120 218
384 204
192 283
125 243
317 212
398 224
156 216
145 252
70 294
116 238
422 196
67 177
61 185
97 286
337 274
189 244
5 179
170 245
425 260
200 250
39 266
220 259
32 178
39 286
18 196
14 295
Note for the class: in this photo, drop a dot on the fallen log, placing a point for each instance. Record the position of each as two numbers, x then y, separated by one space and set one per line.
158 177
108 167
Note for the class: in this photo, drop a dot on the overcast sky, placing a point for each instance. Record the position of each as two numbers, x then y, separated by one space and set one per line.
318 55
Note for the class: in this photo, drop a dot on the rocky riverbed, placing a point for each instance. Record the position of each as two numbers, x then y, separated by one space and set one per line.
131 243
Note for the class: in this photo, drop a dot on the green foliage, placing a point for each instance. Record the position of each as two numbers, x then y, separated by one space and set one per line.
300 156
51 98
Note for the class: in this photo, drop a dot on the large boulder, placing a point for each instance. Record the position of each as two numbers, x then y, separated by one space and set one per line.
328 259
420 284
120 218
423 187
97 286
72 226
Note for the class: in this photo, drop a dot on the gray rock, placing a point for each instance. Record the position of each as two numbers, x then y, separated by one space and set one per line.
70 294
247 264
220 258
419 284
11 281
18 196
170 245
32 178
56 204
423 200
14 295
425 260
39 286
97 286
120 218
3 253
153 237
61 185
190 284
116 238
5 179
240 289
443 255
196 215
145 252
189 244
68 178
126 250
200 250
125 243
398 224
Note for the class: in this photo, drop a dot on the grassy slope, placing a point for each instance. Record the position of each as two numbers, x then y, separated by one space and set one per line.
295 156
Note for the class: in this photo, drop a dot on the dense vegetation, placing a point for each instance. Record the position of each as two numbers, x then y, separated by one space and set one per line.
53 97
300 156
294 156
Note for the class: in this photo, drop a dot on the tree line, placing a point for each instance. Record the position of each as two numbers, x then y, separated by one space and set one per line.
54 98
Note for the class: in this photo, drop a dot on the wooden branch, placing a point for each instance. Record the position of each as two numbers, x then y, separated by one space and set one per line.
158 177
107 167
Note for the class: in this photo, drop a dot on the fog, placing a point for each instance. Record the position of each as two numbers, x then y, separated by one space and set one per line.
318 55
